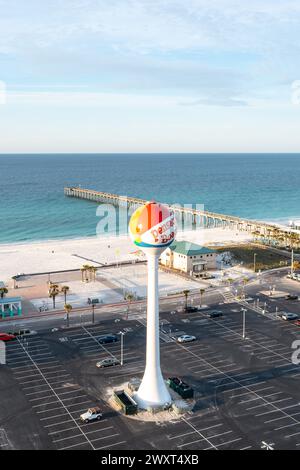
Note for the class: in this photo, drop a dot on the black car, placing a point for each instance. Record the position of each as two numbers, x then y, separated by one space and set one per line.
291 297
191 309
215 314
104 339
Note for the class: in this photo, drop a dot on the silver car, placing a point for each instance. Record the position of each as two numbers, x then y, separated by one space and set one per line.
186 338
108 362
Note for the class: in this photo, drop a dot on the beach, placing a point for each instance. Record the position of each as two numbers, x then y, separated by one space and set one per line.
59 255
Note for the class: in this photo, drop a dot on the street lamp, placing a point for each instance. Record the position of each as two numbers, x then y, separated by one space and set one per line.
122 334
244 322
93 314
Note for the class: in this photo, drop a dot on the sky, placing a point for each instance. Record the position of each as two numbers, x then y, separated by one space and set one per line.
149 76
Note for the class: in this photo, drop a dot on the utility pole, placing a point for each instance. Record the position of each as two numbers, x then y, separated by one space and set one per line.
254 262
292 262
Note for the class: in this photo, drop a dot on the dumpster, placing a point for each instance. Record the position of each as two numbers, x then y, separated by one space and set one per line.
128 405
180 387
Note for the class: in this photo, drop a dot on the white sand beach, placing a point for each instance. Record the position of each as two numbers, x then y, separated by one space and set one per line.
58 255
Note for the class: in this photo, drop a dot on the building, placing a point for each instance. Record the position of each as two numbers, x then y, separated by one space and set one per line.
189 258
10 307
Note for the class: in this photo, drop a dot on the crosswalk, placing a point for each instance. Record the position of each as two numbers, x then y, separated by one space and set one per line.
228 297
162 335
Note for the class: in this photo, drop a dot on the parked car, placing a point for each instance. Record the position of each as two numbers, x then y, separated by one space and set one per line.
185 338
191 309
92 414
108 362
7 337
104 339
297 322
289 316
23 333
215 314
291 297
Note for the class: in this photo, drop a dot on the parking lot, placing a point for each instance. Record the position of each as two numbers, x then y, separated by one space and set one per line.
247 390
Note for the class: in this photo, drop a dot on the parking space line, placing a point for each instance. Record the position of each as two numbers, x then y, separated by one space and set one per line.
66 409
111 445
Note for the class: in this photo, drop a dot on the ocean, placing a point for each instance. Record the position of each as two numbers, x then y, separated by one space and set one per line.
33 205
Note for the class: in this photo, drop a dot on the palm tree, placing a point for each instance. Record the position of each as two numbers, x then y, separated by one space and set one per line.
65 290
93 270
202 292
3 292
68 308
186 294
256 234
129 297
293 239
276 234
53 292
84 270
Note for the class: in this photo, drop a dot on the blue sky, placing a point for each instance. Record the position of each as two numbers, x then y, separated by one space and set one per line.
149 76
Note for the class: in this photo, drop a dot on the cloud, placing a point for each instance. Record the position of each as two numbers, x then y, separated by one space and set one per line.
216 49
145 26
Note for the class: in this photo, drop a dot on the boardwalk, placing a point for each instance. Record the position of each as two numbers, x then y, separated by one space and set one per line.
199 217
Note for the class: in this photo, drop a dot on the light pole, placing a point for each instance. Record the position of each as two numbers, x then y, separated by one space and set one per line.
244 322
292 262
122 334
254 262
93 314
152 229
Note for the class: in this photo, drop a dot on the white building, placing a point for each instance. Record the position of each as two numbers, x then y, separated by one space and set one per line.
189 258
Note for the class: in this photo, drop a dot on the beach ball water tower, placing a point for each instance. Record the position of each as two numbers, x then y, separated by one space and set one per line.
152 228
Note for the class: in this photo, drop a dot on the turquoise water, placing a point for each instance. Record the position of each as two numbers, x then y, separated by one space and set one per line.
33 206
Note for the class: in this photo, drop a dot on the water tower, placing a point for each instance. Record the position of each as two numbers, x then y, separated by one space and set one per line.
152 228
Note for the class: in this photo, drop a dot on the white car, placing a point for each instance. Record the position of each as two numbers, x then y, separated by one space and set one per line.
186 338
92 414
289 316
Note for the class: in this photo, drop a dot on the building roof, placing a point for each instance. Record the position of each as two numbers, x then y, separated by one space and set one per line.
190 249
10 300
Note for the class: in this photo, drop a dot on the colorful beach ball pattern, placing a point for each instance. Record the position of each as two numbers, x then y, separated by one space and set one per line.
153 225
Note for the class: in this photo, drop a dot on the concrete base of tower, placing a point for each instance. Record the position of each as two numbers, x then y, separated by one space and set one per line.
152 393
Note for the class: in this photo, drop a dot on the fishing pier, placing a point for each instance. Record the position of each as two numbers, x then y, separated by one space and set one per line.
191 214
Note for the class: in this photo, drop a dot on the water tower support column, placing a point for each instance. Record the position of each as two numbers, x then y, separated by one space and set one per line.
152 391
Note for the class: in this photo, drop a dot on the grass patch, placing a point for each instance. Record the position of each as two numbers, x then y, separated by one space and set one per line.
265 258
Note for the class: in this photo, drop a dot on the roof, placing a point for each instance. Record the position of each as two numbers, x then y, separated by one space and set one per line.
10 300
190 249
